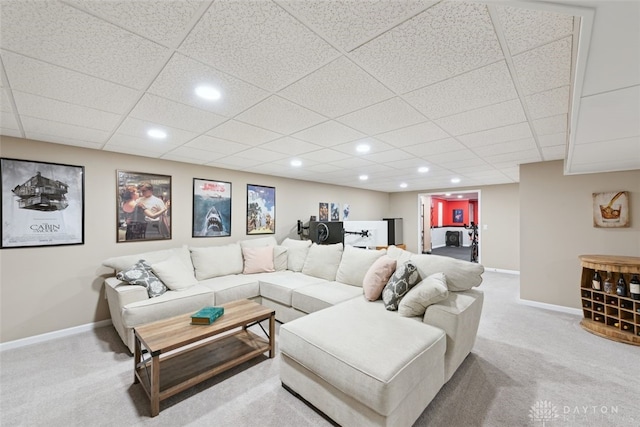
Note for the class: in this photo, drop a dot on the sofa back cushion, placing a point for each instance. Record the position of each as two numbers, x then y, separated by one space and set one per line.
461 275
260 241
280 258
296 253
215 261
323 261
355 263
399 254
257 259
175 273
125 262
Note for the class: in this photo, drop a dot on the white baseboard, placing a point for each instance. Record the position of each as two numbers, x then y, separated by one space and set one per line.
552 307
53 335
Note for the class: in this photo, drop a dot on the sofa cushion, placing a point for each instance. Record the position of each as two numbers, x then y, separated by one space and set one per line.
175 273
124 262
323 260
278 286
141 274
233 287
377 277
354 264
399 254
215 261
296 253
257 259
461 275
312 298
368 360
260 241
280 258
429 291
404 278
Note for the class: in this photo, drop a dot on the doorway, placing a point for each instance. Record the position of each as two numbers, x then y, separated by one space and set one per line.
445 224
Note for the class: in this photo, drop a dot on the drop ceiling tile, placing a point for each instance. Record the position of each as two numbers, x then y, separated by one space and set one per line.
8 121
505 147
388 156
374 144
383 117
7 131
5 104
162 21
209 143
62 35
618 154
353 163
291 146
428 149
545 67
519 157
234 163
556 152
329 133
548 103
450 158
165 112
243 133
549 125
55 139
351 23
323 168
59 132
411 135
526 28
279 115
493 116
339 80
446 40
411 165
138 128
478 88
63 112
258 42
553 139
261 155
325 155
182 75
137 146
192 155
497 135
39 78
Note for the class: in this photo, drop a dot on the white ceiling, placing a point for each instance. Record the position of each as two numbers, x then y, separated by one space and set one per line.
470 89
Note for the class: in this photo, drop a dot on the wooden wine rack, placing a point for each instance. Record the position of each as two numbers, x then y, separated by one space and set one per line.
609 315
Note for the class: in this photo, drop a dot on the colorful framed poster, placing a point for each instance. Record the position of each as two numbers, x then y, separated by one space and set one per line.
458 216
143 211
211 208
611 210
42 204
335 211
261 209
323 211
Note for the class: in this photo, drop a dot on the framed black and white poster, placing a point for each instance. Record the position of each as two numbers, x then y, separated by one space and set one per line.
211 208
144 201
42 204
261 209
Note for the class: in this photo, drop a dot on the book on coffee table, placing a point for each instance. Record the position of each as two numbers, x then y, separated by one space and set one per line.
207 315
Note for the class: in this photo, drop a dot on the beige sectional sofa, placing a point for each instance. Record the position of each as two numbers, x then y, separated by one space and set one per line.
354 360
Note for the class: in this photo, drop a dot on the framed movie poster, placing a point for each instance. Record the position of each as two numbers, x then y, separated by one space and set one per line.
211 208
42 204
458 216
261 209
143 211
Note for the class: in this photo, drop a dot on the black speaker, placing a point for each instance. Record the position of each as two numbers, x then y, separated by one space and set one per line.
454 238
326 232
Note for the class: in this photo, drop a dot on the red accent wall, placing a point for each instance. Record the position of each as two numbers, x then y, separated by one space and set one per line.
448 207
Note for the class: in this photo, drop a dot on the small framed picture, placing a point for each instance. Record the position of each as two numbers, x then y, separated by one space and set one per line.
211 208
611 210
143 211
42 204
458 216
261 209
323 211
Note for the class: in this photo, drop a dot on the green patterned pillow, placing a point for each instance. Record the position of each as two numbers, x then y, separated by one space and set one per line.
140 274
404 278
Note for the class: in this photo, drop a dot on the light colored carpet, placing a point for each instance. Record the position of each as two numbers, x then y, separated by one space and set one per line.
525 358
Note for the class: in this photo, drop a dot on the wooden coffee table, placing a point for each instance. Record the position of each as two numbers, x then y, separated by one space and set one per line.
183 355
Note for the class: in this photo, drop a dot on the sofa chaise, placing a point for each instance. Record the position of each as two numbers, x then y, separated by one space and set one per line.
359 359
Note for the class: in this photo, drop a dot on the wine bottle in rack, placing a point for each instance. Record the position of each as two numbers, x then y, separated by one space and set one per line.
621 286
608 284
596 282
634 287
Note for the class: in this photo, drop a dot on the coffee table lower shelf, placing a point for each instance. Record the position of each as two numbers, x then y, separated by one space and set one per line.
182 369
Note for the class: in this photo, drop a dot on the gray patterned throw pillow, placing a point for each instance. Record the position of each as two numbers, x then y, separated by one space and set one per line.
405 277
141 274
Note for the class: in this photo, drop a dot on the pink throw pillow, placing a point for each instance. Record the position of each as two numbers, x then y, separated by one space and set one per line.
377 277
258 259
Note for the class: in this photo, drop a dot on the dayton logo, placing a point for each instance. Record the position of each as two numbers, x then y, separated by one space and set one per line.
543 412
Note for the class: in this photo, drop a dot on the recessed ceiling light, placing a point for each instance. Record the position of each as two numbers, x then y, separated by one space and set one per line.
447 194
157 133
296 163
209 93
403 185
459 196
363 148
423 169
455 180
364 177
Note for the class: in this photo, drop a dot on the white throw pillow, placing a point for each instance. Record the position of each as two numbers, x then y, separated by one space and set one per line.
215 261
355 263
280 254
174 273
461 275
296 253
323 260
258 259
429 291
